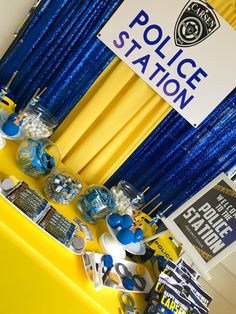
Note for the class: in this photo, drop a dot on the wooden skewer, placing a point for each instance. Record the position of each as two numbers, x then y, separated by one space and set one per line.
154 198
11 79
36 93
148 188
152 210
140 196
41 93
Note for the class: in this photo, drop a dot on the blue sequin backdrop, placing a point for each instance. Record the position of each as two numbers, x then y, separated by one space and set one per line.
59 49
177 160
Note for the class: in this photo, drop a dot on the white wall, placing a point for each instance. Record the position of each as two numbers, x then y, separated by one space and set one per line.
12 13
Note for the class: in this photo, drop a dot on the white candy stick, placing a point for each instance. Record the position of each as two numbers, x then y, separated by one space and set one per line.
155 236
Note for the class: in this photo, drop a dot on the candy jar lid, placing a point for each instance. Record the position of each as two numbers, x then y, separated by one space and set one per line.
43 114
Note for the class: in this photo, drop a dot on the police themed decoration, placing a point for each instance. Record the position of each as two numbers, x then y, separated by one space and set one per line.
196 22
181 48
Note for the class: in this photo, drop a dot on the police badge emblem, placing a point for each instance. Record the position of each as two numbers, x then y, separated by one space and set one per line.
196 22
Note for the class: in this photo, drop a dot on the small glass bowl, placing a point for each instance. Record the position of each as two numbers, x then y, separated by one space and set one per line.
38 157
96 203
62 186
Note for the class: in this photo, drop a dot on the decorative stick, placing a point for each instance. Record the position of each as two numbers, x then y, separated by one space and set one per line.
152 210
155 236
148 188
11 79
41 93
165 210
36 93
154 198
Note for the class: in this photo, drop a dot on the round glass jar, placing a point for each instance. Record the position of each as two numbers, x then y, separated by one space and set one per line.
62 186
38 157
38 122
127 198
96 203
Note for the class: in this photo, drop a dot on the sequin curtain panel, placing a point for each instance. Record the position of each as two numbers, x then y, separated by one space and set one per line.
59 49
177 160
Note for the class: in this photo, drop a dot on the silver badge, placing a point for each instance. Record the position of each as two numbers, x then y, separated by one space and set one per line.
196 22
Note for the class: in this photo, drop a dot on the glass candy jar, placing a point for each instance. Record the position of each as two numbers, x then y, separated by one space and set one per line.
62 186
38 157
127 198
38 122
96 203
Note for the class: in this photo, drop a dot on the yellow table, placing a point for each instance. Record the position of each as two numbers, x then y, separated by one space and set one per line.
37 275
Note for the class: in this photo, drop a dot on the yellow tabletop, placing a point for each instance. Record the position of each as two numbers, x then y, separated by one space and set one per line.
37 275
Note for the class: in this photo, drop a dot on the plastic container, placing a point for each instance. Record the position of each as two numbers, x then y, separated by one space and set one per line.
39 157
62 186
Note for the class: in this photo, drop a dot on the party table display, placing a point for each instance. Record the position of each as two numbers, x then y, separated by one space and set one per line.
122 207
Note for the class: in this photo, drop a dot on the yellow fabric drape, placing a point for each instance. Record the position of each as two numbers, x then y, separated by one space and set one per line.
115 116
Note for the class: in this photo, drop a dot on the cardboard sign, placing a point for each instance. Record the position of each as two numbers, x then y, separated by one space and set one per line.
206 224
183 49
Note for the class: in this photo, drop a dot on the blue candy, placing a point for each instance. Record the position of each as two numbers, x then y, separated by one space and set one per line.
125 236
115 220
127 222
138 235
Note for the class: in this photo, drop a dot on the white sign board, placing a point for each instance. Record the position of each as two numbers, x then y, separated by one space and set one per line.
183 49
206 224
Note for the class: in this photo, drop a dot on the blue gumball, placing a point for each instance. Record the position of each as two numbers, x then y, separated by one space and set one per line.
125 236
115 220
127 222
138 235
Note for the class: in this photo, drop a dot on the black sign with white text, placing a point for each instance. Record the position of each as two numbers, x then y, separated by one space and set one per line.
210 222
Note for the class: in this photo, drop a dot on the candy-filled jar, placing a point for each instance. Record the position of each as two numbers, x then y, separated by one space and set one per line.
62 186
38 122
38 157
127 198
96 203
